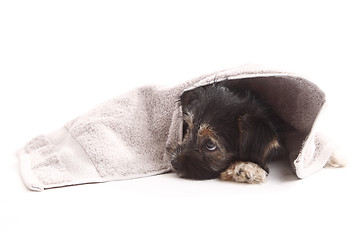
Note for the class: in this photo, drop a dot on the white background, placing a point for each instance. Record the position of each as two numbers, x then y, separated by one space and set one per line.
58 59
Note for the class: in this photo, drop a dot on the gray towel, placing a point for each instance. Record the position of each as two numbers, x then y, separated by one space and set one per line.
126 137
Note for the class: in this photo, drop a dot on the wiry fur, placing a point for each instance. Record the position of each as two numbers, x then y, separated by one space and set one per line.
225 130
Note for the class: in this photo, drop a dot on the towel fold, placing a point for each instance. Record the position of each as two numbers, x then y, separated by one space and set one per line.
126 137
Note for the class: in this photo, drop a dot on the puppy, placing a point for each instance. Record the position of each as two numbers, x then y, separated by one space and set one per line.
227 133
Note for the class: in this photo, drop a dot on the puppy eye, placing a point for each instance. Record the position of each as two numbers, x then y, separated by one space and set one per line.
210 146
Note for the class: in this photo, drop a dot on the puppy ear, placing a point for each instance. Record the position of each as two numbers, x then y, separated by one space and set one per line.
188 97
258 140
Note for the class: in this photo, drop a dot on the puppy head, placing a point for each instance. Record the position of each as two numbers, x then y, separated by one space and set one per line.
221 127
209 133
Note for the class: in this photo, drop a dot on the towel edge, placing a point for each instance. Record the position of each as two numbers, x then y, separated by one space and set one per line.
26 174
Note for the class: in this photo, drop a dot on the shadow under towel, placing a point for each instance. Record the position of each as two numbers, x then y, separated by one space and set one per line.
126 137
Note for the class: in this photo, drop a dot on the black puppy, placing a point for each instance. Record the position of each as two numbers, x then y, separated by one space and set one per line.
227 133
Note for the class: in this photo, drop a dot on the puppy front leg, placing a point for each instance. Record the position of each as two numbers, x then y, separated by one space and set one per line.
244 172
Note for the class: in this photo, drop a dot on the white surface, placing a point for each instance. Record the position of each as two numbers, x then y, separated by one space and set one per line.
59 59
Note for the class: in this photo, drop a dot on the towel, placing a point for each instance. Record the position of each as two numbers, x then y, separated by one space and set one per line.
127 136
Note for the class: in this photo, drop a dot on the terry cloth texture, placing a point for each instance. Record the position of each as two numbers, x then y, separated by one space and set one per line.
126 137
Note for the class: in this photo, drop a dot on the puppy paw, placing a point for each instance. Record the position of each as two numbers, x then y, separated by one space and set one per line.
244 172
